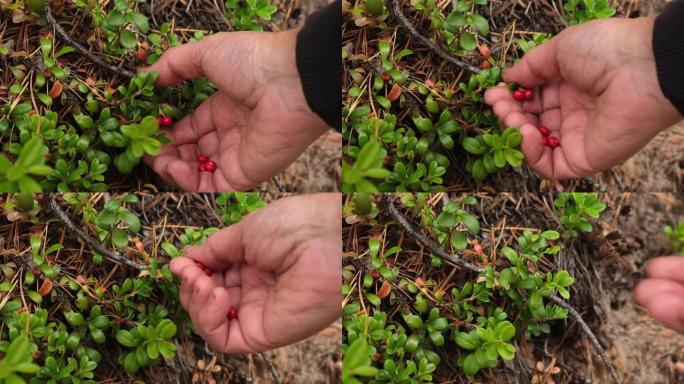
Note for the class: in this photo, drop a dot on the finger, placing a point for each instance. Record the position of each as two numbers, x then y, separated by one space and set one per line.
537 155
159 166
181 63
183 174
504 107
222 334
195 125
188 275
201 292
537 67
221 249
664 301
668 267
494 95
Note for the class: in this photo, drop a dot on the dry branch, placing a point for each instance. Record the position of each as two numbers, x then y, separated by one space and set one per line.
114 256
83 50
406 24
408 228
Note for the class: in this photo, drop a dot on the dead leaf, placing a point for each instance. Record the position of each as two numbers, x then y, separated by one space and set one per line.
56 90
46 287
384 290
394 93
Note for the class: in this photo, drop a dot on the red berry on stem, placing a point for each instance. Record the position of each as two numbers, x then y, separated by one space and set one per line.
202 158
544 131
168 121
519 95
160 120
529 94
232 313
210 166
553 142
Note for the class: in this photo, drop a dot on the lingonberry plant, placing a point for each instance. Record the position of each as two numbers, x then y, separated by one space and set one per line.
68 318
400 322
415 74
92 122
576 209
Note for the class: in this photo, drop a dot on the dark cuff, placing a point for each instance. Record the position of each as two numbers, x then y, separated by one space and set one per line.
668 47
319 61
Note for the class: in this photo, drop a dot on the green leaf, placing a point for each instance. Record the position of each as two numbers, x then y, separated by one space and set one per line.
126 339
105 219
466 341
506 351
74 318
505 330
132 221
472 145
458 240
128 39
152 350
119 238
166 329
141 22
480 23
468 41
413 321
471 223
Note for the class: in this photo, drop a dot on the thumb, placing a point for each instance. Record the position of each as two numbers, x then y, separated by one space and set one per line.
181 63
221 249
537 67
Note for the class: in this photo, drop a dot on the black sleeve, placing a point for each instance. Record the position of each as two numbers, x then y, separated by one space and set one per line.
668 47
319 60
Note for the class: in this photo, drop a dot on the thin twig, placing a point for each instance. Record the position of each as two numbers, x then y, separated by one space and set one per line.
424 240
406 24
443 254
83 50
587 331
269 364
114 256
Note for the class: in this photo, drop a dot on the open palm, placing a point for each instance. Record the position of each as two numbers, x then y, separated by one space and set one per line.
600 97
255 125
279 267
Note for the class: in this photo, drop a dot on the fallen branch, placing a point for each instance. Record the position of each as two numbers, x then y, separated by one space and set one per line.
114 256
408 228
406 24
271 368
83 50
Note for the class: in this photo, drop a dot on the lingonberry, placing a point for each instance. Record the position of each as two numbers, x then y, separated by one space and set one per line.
232 313
553 142
545 141
519 95
210 166
529 94
165 121
202 167
544 131
375 274
202 158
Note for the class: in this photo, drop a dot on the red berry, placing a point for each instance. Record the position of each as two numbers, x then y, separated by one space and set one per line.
202 158
232 313
519 95
165 121
202 167
544 131
545 141
375 274
210 166
529 94
553 142
36 271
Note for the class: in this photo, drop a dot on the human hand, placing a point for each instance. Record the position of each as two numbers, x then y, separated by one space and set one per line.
280 267
596 89
662 293
253 127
